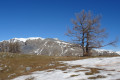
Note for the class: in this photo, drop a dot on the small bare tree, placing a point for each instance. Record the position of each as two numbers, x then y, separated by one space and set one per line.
9 46
4 46
87 32
14 47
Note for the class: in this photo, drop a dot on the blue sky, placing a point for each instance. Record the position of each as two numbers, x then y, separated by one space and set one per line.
50 18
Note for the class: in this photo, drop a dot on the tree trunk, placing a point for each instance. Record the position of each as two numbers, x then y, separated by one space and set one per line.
87 50
83 45
87 45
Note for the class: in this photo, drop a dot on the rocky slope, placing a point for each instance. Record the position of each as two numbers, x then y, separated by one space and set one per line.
52 47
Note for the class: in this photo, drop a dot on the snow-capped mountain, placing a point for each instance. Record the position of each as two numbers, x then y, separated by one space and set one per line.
25 39
105 52
48 46
51 47
118 52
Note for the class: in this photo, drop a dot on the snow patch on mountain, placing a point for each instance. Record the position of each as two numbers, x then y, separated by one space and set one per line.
103 50
56 38
59 42
118 52
25 39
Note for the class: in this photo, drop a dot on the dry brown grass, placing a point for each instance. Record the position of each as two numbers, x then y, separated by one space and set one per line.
74 75
13 65
97 77
92 71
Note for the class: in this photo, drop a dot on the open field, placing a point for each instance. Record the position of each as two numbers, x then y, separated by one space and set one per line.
14 65
99 68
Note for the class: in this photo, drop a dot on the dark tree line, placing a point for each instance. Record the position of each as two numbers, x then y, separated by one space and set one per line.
9 46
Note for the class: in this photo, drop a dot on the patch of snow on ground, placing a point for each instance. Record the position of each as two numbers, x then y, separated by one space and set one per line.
72 49
110 68
111 65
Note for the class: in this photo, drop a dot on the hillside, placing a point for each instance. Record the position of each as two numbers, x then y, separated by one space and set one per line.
13 65
39 67
106 68
51 47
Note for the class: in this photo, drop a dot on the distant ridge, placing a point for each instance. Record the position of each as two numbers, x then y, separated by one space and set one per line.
53 47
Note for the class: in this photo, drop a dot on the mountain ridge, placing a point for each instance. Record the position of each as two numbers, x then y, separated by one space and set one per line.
51 47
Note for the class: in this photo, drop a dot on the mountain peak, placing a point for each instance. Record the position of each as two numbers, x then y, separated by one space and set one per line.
25 39
52 47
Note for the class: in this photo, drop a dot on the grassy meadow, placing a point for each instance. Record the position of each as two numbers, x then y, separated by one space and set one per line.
13 65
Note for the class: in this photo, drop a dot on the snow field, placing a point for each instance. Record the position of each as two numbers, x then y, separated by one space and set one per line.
108 69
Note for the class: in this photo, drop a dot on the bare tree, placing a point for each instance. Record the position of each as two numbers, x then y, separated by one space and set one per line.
4 46
9 46
14 47
87 32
